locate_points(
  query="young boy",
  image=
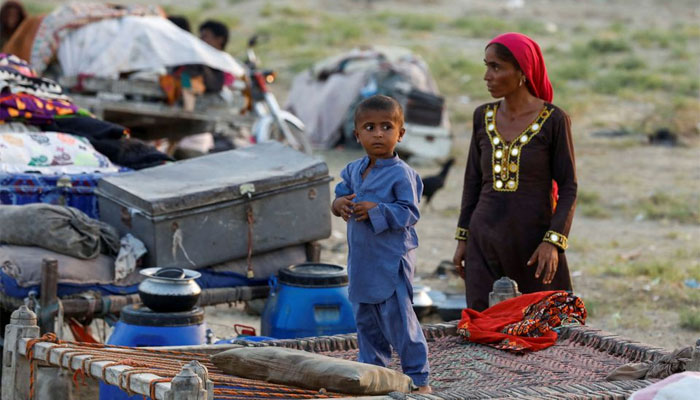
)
(378, 198)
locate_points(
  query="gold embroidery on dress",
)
(505, 157)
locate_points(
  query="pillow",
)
(311, 371)
(50, 153)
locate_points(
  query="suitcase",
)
(74, 190)
(210, 209)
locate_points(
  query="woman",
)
(11, 16)
(511, 223)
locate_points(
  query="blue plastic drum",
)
(138, 326)
(309, 299)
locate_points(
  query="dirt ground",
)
(642, 320)
(635, 243)
(614, 241)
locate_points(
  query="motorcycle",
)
(271, 122)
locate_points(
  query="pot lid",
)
(140, 315)
(314, 275)
(170, 274)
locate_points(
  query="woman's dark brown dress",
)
(507, 202)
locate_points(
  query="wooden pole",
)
(313, 252)
(203, 375)
(49, 291)
(208, 297)
(15, 366)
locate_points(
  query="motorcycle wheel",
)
(304, 145)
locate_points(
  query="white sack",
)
(109, 47)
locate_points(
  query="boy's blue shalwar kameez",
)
(381, 264)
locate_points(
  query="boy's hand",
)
(343, 206)
(361, 210)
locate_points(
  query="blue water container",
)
(309, 299)
(139, 326)
(248, 338)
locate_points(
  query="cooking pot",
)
(169, 289)
(422, 302)
(450, 308)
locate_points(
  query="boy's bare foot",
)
(424, 390)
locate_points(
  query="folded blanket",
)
(523, 323)
(33, 110)
(65, 230)
(23, 264)
(17, 76)
(50, 153)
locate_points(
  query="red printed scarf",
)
(523, 323)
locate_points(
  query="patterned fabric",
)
(50, 153)
(33, 110)
(17, 76)
(523, 323)
(16, 64)
(56, 25)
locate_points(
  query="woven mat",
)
(574, 368)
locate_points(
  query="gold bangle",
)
(462, 234)
(556, 239)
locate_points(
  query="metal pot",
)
(422, 303)
(451, 307)
(169, 289)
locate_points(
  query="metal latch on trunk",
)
(63, 184)
(247, 189)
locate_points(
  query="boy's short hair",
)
(181, 21)
(380, 102)
(217, 28)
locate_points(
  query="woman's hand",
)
(361, 210)
(459, 258)
(547, 258)
(342, 206)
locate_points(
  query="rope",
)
(250, 219)
(164, 363)
(177, 243)
(152, 386)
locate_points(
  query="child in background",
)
(378, 198)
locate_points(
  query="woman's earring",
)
(521, 81)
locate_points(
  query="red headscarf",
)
(528, 54)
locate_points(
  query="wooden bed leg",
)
(203, 375)
(186, 386)
(15, 367)
(49, 293)
(313, 252)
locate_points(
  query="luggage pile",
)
(324, 97)
(51, 151)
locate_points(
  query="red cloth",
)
(531, 61)
(523, 323)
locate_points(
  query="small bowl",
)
(451, 308)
